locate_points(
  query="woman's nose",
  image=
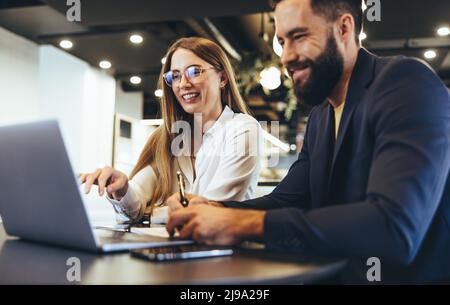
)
(184, 81)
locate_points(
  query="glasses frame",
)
(185, 73)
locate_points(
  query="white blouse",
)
(227, 167)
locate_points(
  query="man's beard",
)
(325, 73)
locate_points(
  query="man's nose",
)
(288, 55)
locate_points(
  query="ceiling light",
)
(163, 60)
(136, 39)
(104, 64)
(277, 48)
(280, 106)
(443, 31)
(270, 78)
(158, 93)
(135, 80)
(66, 44)
(362, 36)
(430, 54)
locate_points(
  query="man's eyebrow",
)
(297, 30)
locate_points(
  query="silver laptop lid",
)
(40, 199)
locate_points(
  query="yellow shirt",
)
(337, 117)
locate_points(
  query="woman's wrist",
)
(118, 195)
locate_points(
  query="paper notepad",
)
(153, 231)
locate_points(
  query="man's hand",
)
(174, 203)
(212, 225)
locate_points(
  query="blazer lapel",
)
(361, 77)
(322, 155)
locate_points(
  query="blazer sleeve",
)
(411, 159)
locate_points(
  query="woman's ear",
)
(223, 79)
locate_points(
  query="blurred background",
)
(98, 77)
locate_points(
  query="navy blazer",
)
(379, 190)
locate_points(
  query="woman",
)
(222, 162)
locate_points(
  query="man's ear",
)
(346, 28)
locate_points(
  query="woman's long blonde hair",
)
(156, 152)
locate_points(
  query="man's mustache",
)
(299, 65)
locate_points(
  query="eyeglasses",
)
(191, 72)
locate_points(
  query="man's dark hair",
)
(333, 9)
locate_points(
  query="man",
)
(370, 180)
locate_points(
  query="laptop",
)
(40, 197)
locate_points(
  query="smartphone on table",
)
(162, 254)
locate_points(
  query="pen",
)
(183, 199)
